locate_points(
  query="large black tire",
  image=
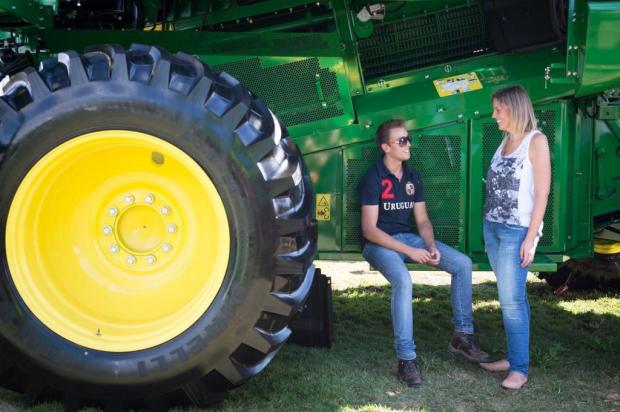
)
(259, 175)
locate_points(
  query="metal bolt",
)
(477, 112)
(107, 230)
(172, 228)
(165, 210)
(114, 248)
(166, 247)
(129, 199)
(151, 259)
(131, 260)
(113, 211)
(149, 198)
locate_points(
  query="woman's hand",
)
(528, 250)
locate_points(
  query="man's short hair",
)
(383, 131)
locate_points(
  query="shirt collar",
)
(384, 171)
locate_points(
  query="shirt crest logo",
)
(410, 188)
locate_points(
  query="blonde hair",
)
(516, 99)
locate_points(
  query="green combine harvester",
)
(169, 169)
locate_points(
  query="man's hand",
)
(419, 255)
(435, 255)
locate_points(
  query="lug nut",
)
(131, 260)
(172, 228)
(149, 198)
(114, 248)
(107, 230)
(151, 259)
(166, 247)
(113, 211)
(129, 199)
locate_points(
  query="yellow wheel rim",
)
(606, 247)
(117, 241)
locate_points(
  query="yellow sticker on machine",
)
(462, 83)
(323, 206)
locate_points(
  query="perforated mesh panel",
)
(293, 90)
(438, 159)
(425, 40)
(354, 171)
(491, 139)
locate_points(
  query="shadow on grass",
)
(575, 361)
(581, 327)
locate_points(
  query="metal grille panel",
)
(438, 159)
(298, 92)
(425, 40)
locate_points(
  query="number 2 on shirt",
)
(387, 185)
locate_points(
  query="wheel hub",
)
(139, 230)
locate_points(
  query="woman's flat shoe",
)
(501, 365)
(514, 381)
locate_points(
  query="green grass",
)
(575, 359)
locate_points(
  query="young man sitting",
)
(389, 192)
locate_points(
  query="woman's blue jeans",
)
(503, 244)
(391, 264)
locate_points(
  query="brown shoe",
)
(409, 372)
(501, 365)
(466, 346)
(514, 381)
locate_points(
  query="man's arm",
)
(425, 230)
(370, 231)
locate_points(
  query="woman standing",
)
(517, 188)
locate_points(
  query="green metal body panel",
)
(332, 78)
(39, 13)
(601, 59)
(326, 175)
(606, 166)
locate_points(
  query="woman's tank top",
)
(510, 186)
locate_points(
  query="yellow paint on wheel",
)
(117, 241)
(606, 247)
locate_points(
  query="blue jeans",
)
(503, 243)
(391, 264)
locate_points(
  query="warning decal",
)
(462, 83)
(323, 206)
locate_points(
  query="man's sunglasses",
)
(402, 141)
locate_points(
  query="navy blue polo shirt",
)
(395, 198)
